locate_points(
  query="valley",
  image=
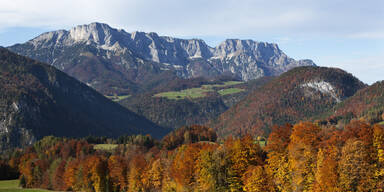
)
(95, 108)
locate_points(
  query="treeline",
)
(302, 157)
(305, 157)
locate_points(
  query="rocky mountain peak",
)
(231, 47)
(50, 39)
(99, 33)
(247, 59)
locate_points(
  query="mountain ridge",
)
(97, 48)
(38, 100)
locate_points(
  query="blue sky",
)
(335, 33)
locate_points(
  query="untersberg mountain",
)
(38, 100)
(117, 62)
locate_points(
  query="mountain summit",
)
(104, 57)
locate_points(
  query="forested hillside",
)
(296, 95)
(367, 103)
(37, 100)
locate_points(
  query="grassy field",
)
(226, 84)
(105, 147)
(230, 91)
(117, 98)
(186, 93)
(201, 91)
(13, 186)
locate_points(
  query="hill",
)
(296, 95)
(367, 103)
(195, 102)
(114, 61)
(38, 100)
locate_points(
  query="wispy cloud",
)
(201, 17)
(368, 35)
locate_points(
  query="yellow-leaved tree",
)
(255, 179)
(302, 153)
(242, 153)
(378, 143)
(277, 163)
(356, 172)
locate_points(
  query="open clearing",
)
(201, 91)
(225, 84)
(186, 93)
(13, 186)
(105, 147)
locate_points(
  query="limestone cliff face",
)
(122, 53)
(13, 132)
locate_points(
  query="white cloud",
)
(202, 17)
(293, 24)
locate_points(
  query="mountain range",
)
(114, 61)
(42, 99)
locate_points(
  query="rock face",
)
(37, 100)
(91, 52)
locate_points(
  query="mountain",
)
(114, 61)
(367, 103)
(296, 95)
(38, 100)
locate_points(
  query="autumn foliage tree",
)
(302, 157)
(255, 179)
(277, 162)
(302, 152)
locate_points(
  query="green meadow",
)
(13, 186)
(201, 91)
